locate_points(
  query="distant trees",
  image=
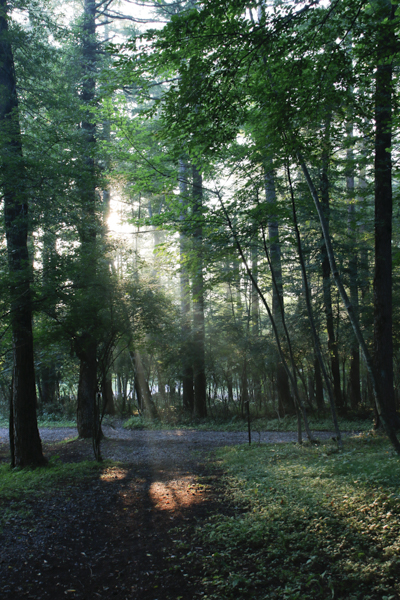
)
(286, 79)
(239, 130)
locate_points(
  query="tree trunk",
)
(87, 387)
(354, 375)
(326, 275)
(142, 386)
(108, 396)
(161, 385)
(187, 365)
(229, 385)
(200, 385)
(285, 400)
(255, 314)
(383, 342)
(27, 447)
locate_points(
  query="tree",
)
(199, 373)
(26, 448)
(187, 365)
(383, 336)
(285, 399)
(215, 49)
(86, 343)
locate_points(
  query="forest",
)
(199, 213)
(199, 272)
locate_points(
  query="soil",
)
(121, 534)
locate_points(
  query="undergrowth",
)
(237, 424)
(309, 523)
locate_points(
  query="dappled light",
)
(113, 473)
(175, 495)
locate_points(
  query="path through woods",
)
(121, 534)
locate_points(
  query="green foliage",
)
(175, 420)
(308, 523)
(54, 420)
(317, 423)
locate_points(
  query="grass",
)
(308, 523)
(54, 421)
(302, 522)
(172, 420)
(237, 424)
(20, 489)
(15, 484)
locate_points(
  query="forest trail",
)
(170, 446)
(120, 533)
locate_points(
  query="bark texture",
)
(88, 227)
(383, 342)
(87, 387)
(25, 439)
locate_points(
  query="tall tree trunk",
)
(326, 274)
(285, 399)
(48, 383)
(354, 375)
(187, 365)
(229, 384)
(48, 374)
(161, 384)
(255, 314)
(200, 386)
(88, 228)
(383, 342)
(27, 447)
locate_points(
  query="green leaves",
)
(306, 527)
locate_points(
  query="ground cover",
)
(47, 421)
(261, 522)
(174, 420)
(236, 423)
(311, 523)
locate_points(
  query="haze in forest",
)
(199, 214)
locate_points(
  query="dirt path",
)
(174, 447)
(122, 534)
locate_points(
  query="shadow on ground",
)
(119, 535)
